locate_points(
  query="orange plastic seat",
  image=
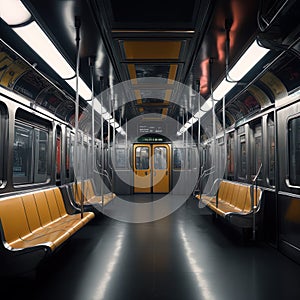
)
(35, 224)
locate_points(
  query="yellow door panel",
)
(161, 168)
(142, 171)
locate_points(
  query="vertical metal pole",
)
(214, 158)
(93, 119)
(102, 147)
(186, 135)
(126, 135)
(109, 127)
(192, 127)
(225, 138)
(199, 142)
(126, 144)
(114, 138)
(77, 27)
(186, 145)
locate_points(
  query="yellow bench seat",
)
(85, 189)
(233, 202)
(37, 220)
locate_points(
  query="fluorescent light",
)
(111, 120)
(223, 88)
(121, 131)
(192, 120)
(13, 12)
(207, 105)
(83, 89)
(106, 116)
(248, 60)
(35, 38)
(114, 124)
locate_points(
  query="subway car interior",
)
(150, 149)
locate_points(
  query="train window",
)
(242, 156)
(68, 149)
(182, 158)
(77, 162)
(70, 155)
(160, 158)
(294, 151)
(206, 156)
(120, 156)
(220, 151)
(22, 168)
(58, 153)
(178, 158)
(258, 149)
(187, 158)
(230, 154)
(271, 151)
(85, 160)
(30, 154)
(3, 138)
(142, 158)
(41, 150)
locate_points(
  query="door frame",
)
(150, 172)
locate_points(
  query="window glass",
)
(77, 163)
(182, 158)
(271, 151)
(230, 154)
(120, 158)
(243, 157)
(68, 149)
(84, 160)
(23, 150)
(294, 151)
(188, 158)
(41, 155)
(178, 158)
(58, 155)
(142, 158)
(70, 156)
(220, 152)
(160, 158)
(3, 149)
(206, 157)
(258, 149)
(30, 154)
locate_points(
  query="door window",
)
(142, 158)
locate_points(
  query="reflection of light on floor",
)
(104, 281)
(198, 272)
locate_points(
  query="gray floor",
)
(183, 256)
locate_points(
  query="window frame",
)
(268, 144)
(35, 125)
(3, 140)
(288, 182)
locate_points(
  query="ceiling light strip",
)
(15, 13)
(247, 61)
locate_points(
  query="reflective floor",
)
(186, 255)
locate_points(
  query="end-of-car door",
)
(161, 168)
(142, 168)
